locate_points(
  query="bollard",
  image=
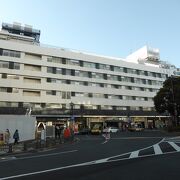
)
(10, 148)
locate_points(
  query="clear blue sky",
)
(105, 27)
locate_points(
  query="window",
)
(3, 89)
(73, 62)
(4, 64)
(9, 65)
(68, 72)
(11, 76)
(53, 105)
(113, 77)
(130, 71)
(115, 86)
(32, 80)
(77, 73)
(93, 75)
(83, 74)
(49, 70)
(66, 95)
(106, 107)
(126, 79)
(54, 59)
(97, 95)
(104, 66)
(11, 53)
(16, 66)
(149, 82)
(142, 73)
(32, 67)
(15, 90)
(128, 87)
(8, 104)
(99, 76)
(31, 93)
(147, 109)
(33, 56)
(58, 71)
(79, 94)
(53, 93)
(134, 108)
(118, 69)
(89, 65)
(121, 108)
(88, 106)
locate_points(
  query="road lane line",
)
(176, 147)
(100, 161)
(38, 156)
(104, 142)
(79, 165)
(46, 155)
(135, 137)
(157, 149)
(134, 154)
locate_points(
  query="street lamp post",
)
(72, 111)
(174, 103)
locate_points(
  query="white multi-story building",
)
(178, 72)
(57, 83)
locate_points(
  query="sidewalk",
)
(11, 148)
(32, 146)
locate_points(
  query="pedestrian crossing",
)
(166, 146)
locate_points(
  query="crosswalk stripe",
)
(134, 154)
(176, 147)
(157, 149)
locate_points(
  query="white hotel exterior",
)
(48, 80)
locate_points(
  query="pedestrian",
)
(56, 132)
(107, 133)
(7, 136)
(72, 134)
(67, 134)
(16, 137)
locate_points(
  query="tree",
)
(168, 98)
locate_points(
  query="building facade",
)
(57, 84)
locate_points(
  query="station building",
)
(58, 85)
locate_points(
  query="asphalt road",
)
(141, 155)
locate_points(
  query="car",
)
(111, 130)
(136, 129)
(84, 131)
(96, 129)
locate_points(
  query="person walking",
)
(16, 137)
(106, 134)
(7, 136)
(67, 134)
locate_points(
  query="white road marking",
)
(38, 156)
(104, 142)
(134, 154)
(172, 138)
(176, 147)
(78, 165)
(157, 149)
(46, 155)
(100, 161)
(7, 158)
(129, 138)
